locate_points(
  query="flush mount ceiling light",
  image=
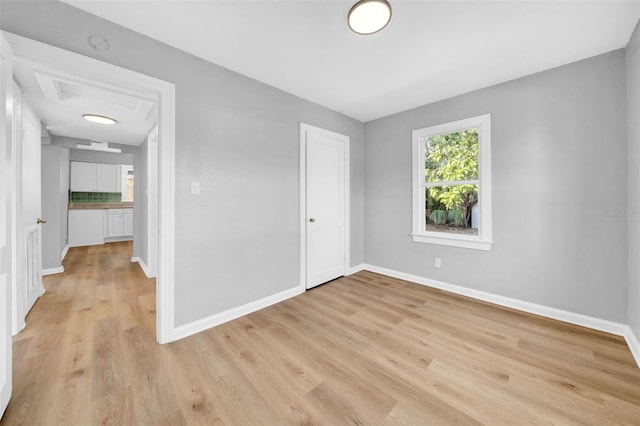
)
(100, 119)
(369, 16)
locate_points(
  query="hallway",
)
(85, 340)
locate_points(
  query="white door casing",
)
(31, 275)
(324, 205)
(151, 192)
(114, 77)
(17, 236)
(6, 210)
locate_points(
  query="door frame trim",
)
(17, 239)
(304, 128)
(6, 223)
(163, 92)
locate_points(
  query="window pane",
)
(452, 209)
(451, 156)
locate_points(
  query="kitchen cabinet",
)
(88, 226)
(119, 222)
(128, 221)
(83, 177)
(85, 227)
(94, 177)
(107, 178)
(115, 224)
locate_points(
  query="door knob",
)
(312, 219)
(39, 221)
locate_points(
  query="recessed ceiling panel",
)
(60, 99)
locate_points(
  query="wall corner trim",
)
(231, 314)
(65, 250)
(533, 308)
(51, 271)
(143, 266)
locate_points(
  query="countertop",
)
(98, 205)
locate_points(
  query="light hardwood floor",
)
(366, 349)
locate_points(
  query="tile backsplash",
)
(94, 197)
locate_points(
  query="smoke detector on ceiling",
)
(99, 43)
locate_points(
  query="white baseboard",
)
(65, 250)
(545, 311)
(533, 308)
(118, 239)
(51, 271)
(634, 344)
(217, 319)
(144, 267)
(355, 269)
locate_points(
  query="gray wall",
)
(50, 206)
(633, 213)
(238, 240)
(54, 199)
(559, 165)
(101, 157)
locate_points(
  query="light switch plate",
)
(195, 187)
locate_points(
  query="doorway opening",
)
(161, 167)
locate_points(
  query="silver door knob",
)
(312, 219)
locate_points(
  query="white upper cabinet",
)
(94, 177)
(83, 176)
(107, 178)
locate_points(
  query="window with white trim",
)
(452, 184)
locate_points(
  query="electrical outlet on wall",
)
(438, 262)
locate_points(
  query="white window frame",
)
(482, 241)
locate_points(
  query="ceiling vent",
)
(99, 146)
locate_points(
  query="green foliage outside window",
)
(452, 157)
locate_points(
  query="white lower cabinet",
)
(85, 227)
(89, 227)
(115, 224)
(119, 222)
(128, 221)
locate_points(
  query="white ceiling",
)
(431, 50)
(60, 98)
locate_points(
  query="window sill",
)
(454, 241)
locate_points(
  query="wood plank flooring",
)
(366, 349)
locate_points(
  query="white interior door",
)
(6, 171)
(325, 207)
(31, 208)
